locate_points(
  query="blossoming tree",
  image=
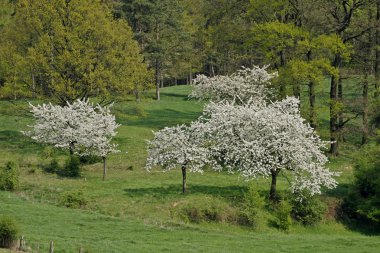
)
(263, 140)
(179, 146)
(80, 127)
(246, 84)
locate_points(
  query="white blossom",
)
(180, 145)
(246, 84)
(258, 139)
(80, 127)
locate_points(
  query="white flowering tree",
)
(179, 146)
(80, 127)
(263, 140)
(246, 84)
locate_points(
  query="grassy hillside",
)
(136, 211)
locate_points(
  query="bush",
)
(74, 199)
(364, 196)
(72, 167)
(52, 167)
(282, 212)
(9, 177)
(8, 232)
(207, 210)
(251, 207)
(309, 210)
(90, 159)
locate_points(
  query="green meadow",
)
(138, 211)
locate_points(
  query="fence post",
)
(22, 243)
(51, 249)
(80, 249)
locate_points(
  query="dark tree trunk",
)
(365, 110)
(377, 51)
(340, 113)
(104, 168)
(312, 113)
(273, 187)
(71, 148)
(157, 79)
(282, 84)
(191, 76)
(333, 113)
(183, 178)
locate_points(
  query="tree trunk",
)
(333, 113)
(157, 79)
(377, 51)
(365, 110)
(183, 178)
(191, 76)
(104, 168)
(312, 113)
(273, 187)
(71, 148)
(282, 84)
(340, 113)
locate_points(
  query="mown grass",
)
(132, 211)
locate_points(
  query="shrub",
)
(282, 212)
(364, 196)
(52, 167)
(74, 199)
(9, 177)
(207, 210)
(8, 232)
(90, 159)
(309, 210)
(251, 207)
(72, 167)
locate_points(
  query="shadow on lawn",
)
(10, 139)
(232, 191)
(161, 118)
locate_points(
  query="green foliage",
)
(208, 209)
(9, 177)
(274, 39)
(308, 210)
(68, 50)
(72, 167)
(282, 213)
(364, 198)
(251, 208)
(8, 231)
(89, 159)
(52, 167)
(74, 199)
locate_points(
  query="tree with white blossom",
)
(179, 146)
(246, 84)
(260, 140)
(80, 127)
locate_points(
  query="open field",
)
(135, 211)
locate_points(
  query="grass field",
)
(134, 211)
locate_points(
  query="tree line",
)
(70, 49)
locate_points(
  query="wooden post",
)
(51, 249)
(38, 248)
(22, 243)
(104, 168)
(81, 250)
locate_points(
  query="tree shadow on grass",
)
(10, 139)
(176, 95)
(230, 192)
(161, 118)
